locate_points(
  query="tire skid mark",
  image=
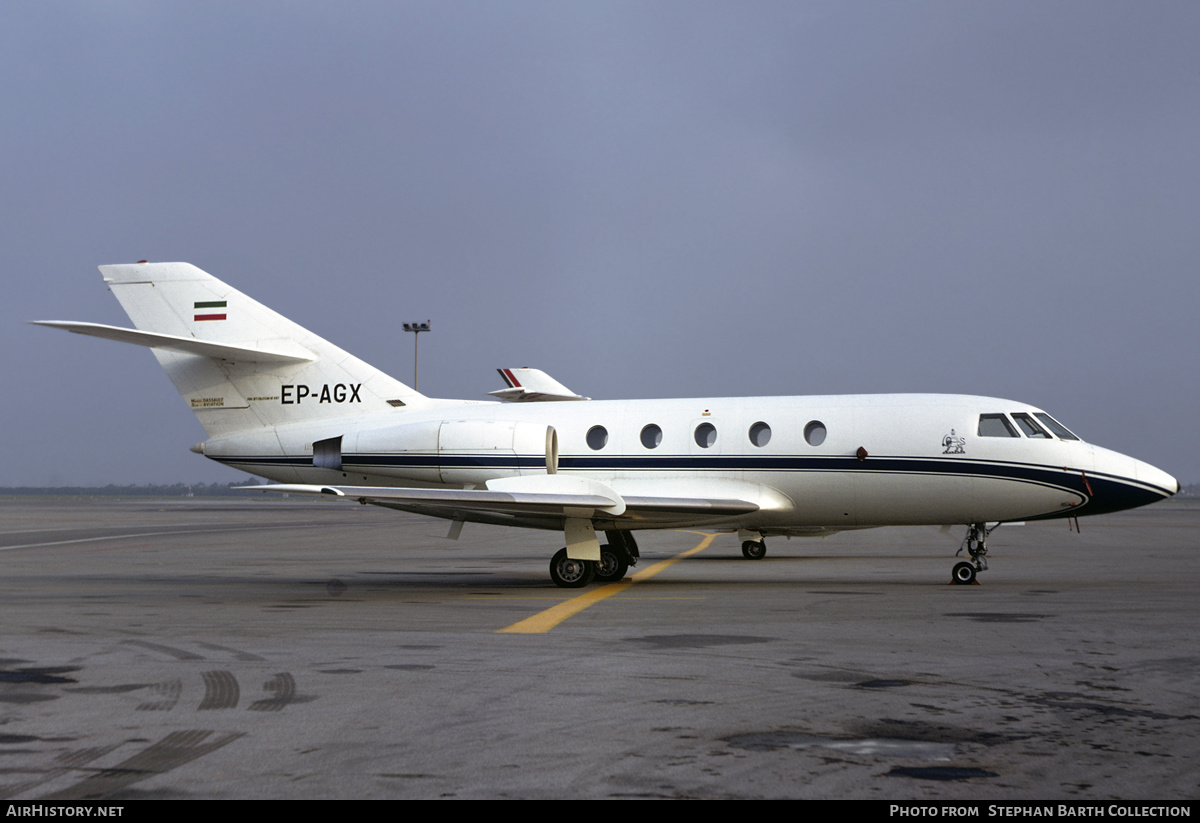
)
(65, 762)
(173, 751)
(178, 654)
(189, 530)
(283, 687)
(238, 654)
(169, 690)
(220, 691)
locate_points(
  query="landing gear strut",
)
(976, 545)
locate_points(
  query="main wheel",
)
(754, 550)
(963, 574)
(571, 574)
(611, 567)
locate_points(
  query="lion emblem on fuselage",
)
(953, 444)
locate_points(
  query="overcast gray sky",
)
(645, 199)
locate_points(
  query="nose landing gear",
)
(976, 545)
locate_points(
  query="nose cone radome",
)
(1121, 482)
(1159, 479)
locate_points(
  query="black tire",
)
(571, 574)
(754, 550)
(963, 574)
(612, 566)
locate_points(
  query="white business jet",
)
(278, 401)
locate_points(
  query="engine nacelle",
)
(446, 451)
(453, 452)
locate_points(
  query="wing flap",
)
(688, 505)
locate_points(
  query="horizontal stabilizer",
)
(188, 345)
(532, 385)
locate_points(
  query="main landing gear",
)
(754, 549)
(616, 556)
(611, 567)
(753, 545)
(976, 545)
(569, 573)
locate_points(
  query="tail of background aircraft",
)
(239, 365)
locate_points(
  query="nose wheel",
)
(975, 544)
(963, 574)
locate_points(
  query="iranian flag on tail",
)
(204, 309)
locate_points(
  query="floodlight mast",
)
(416, 329)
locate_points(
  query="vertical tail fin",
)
(238, 364)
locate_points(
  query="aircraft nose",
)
(1126, 483)
(1158, 478)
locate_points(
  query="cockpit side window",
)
(996, 425)
(1030, 426)
(1053, 425)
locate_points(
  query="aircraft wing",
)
(535, 501)
(469, 499)
(527, 385)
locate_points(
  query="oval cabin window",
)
(760, 434)
(706, 435)
(651, 436)
(597, 437)
(814, 433)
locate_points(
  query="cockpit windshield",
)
(1053, 425)
(1000, 425)
(996, 425)
(1029, 426)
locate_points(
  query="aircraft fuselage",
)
(811, 464)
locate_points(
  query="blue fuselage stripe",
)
(1101, 492)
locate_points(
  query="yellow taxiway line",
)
(546, 620)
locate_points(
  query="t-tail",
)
(238, 365)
